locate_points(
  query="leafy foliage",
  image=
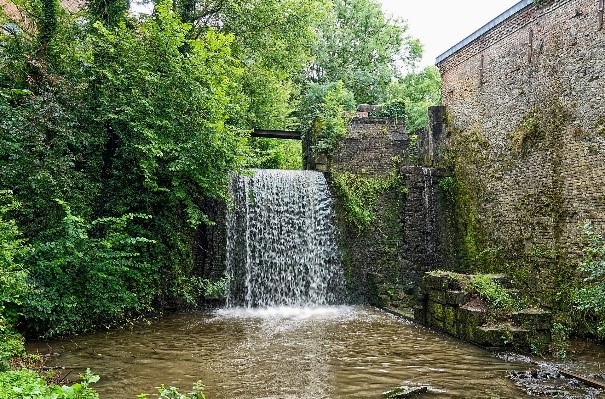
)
(87, 274)
(417, 91)
(173, 393)
(360, 195)
(27, 384)
(323, 114)
(13, 285)
(590, 297)
(496, 296)
(116, 121)
(359, 46)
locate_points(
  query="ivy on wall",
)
(360, 194)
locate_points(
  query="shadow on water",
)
(323, 352)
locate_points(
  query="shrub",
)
(590, 298)
(27, 384)
(87, 274)
(173, 393)
(13, 287)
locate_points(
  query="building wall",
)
(526, 140)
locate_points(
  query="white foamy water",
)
(290, 312)
(281, 241)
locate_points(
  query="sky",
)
(440, 24)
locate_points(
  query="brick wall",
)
(373, 146)
(526, 139)
(406, 237)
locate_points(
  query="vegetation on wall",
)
(589, 297)
(360, 194)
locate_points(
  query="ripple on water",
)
(287, 352)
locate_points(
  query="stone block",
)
(433, 322)
(437, 296)
(436, 282)
(457, 297)
(471, 316)
(436, 310)
(404, 392)
(533, 319)
(450, 320)
(420, 314)
(497, 336)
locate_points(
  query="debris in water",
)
(404, 392)
(548, 381)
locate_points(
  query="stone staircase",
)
(448, 303)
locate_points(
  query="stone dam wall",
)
(385, 261)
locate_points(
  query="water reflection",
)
(334, 352)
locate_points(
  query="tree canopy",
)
(116, 129)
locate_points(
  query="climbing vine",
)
(360, 194)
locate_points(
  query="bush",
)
(173, 393)
(27, 384)
(590, 298)
(322, 114)
(13, 287)
(87, 275)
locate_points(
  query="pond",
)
(296, 352)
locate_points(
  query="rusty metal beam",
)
(277, 134)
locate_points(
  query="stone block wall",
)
(446, 304)
(373, 146)
(407, 236)
(526, 140)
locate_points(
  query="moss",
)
(599, 126)
(359, 194)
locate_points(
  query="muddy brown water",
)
(334, 352)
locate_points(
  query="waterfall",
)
(281, 241)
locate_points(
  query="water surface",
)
(333, 352)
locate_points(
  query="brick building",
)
(525, 136)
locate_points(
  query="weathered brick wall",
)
(406, 237)
(373, 146)
(526, 139)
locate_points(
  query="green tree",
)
(361, 47)
(134, 118)
(418, 91)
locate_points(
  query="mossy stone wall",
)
(384, 262)
(525, 139)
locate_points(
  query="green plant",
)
(447, 185)
(87, 274)
(360, 194)
(27, 384)
(13, 285)
(394, 109)
(560, 340)
(496, 296)
(322, 114)
(193, 289)
(173, 393)
(589, 299)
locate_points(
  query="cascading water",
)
(281, 241)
